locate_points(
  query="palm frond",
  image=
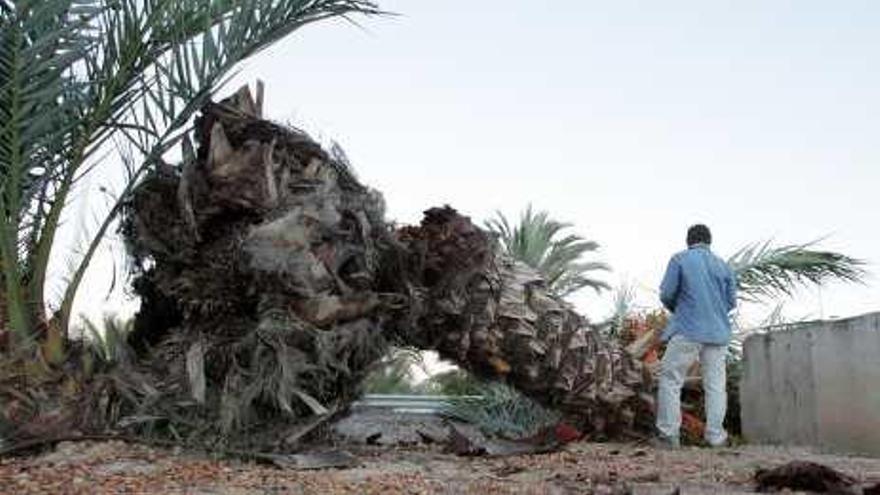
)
(40, 44)
(624, 298)
(538, 242)
(765, 272)
(109, 342)
(499, 409)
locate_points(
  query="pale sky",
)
(632, 120)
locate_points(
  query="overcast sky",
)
(632, 120)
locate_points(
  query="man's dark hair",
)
(699, 234)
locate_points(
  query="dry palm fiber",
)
(257, 261)
(807, 476)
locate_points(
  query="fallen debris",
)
(463, 444)
(335, 459)
(389, 429)
(803, 475)
(582, 468)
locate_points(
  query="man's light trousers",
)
(680, 354)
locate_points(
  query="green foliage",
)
(454, 382)
(502, 410)
(76, 75)
(109, 343)
(614, 325)
(494, 407)
(394, 374)
(765, 272)
(538, 241)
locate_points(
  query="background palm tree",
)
(77, 76)
(539, 241)
(765, 272)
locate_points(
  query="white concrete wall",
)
(817, 384)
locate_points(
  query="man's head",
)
(699, 234)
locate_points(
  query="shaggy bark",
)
(271, 282)
(258, 261)
(494, 316)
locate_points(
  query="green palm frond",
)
(764, 271)
(109, 342)
(623, 306)
(40, 45)
(498, 409)
(535, 241)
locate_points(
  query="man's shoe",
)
(718, 444)
(663, 442)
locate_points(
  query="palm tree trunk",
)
(495, 317)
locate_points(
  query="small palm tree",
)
(538, 241)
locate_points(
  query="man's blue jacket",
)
(700, 291)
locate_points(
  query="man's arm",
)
(670, 284)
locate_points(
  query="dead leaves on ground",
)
(117, 467)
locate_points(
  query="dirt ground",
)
(116, 467)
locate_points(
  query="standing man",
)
(700, 291)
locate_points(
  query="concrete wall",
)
(817, 384)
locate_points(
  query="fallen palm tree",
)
(270, 284)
